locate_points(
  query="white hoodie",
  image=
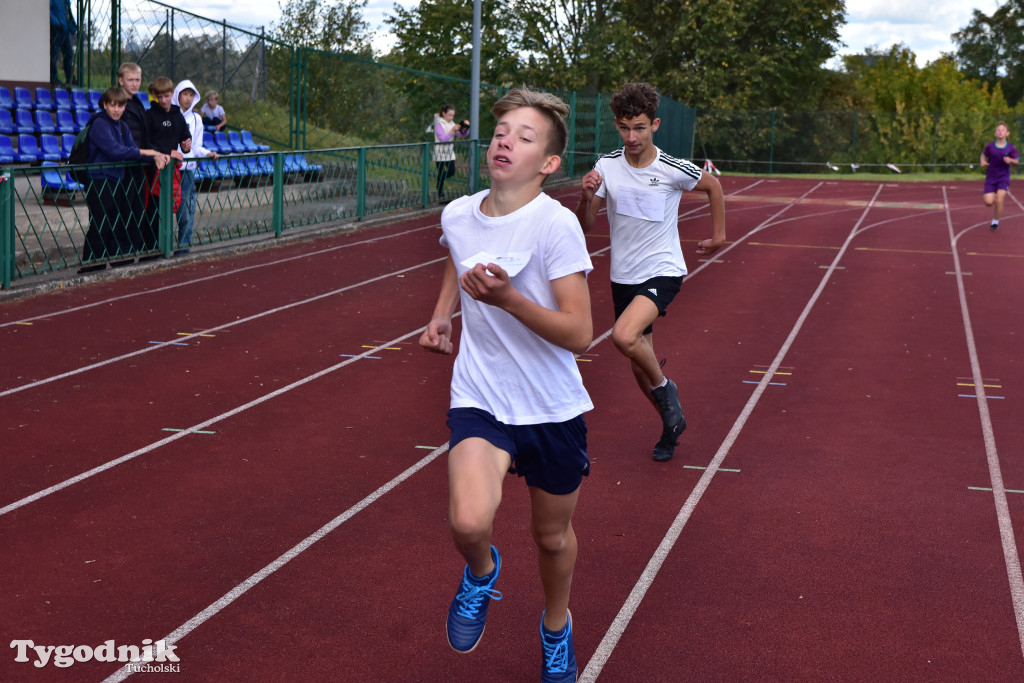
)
(195, 125)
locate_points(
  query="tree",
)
(991, 48)
(750, 54)
(332, 49)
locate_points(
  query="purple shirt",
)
(999, 170)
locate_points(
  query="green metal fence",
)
(780, 141)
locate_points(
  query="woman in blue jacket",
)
(110, 213)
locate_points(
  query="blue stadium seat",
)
(224, 169)
(144, 98)
(49, 147)
(6, 150)
(28, 150)
(79, 100)
(94, 100)
(211, 144)
(222, 142)
(62, 99)
(81, 119)
(23, 99)
(43, 100)
(251, 144)
(6, 123)
(23, 122)
(238, 167)
(5, 99)
(235, 140)
(44, 122)
(55, 182)
(66, 122)
(67, 141)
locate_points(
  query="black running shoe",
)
(666, 446)
(666, 398)
(995, 226)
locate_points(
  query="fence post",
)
(771, 145)
(6, 228)
(597, 127)
(853, 142)
(165, 211)
(278, 193)
(570, 167)
(935, 136)
(425, 184)
(361, 183)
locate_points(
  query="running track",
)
(244, 457)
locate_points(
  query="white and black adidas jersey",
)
(643, 212)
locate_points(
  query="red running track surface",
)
(245, 457)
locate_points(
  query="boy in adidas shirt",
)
(642, 186)
(517, 265)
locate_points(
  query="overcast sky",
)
(924, 25)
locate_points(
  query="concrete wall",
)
(25, 37)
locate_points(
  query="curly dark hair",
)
(635, 99)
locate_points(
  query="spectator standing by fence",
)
(185, 98)
(63, 31)
(446, 130)
(129, 77)
(111, 218)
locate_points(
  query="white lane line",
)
(1009, 542)
(194, 281)
(201, 426)
(154, 346)
(636, 596)
(239, 590)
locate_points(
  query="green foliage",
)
(756, 53)
(991, 48)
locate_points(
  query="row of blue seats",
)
(52, 179)
(48, 148)
(25, 121)
(232, 142)
(70, 100)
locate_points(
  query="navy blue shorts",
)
(660, 290)
(550, 456)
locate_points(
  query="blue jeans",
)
(187, 210)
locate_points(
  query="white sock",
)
(664, 382)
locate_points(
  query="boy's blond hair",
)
(549, 106)
(128, 67)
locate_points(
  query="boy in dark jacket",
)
(166, 130)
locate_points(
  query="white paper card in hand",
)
(512, 262)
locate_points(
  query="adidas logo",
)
(653, 291)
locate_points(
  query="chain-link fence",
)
(779, 141)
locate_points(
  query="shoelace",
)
(556, 655)
(470, 597)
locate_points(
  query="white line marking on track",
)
(236, 592)
(198, 427)
(180, 342)
(636, 596)
(1009, 542)
(194, 281)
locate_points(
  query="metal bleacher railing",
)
(44, 217)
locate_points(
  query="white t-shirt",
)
(502, 366)
(643, 212)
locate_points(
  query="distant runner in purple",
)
(998, 156)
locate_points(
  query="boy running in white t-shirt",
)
(642, 186)
(518, 266)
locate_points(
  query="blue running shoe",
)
(559, 663)
(467, 615)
